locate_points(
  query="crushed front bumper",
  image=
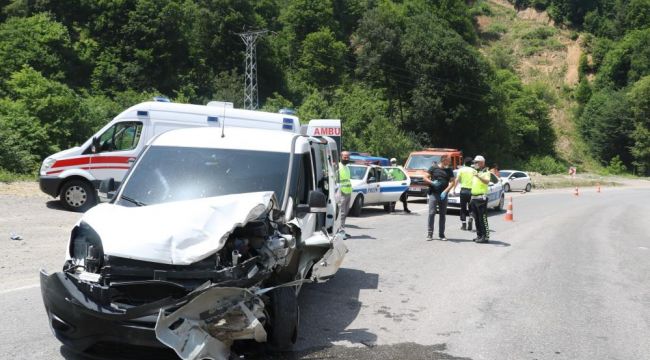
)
(79, 322)
(203, 323)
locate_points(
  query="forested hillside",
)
(400, 74)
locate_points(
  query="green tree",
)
(22, 138)
(321, 59)
(37, 41)
(639, 100)
(55, 105)
(606, 125)
(627, 62)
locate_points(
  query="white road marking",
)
(643, 248)
(26, 287)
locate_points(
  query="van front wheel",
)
(77, 195)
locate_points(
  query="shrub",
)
(616, 166)
(543, 32)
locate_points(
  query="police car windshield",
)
(357, 172)
(421, 162)
(166, 174)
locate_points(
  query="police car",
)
(376, 185)
(496, 197)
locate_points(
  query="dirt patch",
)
(23, 189)
(483, 22)
(572, 61)
(534, 15)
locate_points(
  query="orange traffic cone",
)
(509, 216)
(597, 187)
(576, 193)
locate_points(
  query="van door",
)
(373, 179)
(118, 148)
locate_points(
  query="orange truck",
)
(420, 161)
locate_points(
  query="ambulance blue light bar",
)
(287, 124)
(143, 113)
(213, 120)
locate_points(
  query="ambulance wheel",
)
(355, 210)
(77, 195)
(285, 316)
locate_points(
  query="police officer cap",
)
(479, 158)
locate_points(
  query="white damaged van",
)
(206, 242)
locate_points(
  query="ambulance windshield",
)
(166, 174)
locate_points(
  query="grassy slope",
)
(544, 56)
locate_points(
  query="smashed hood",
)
(178, 233)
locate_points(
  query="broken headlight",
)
(86, 249)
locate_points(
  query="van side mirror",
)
(107, 186)
(94, 147)
(372, 179)
(316, 203)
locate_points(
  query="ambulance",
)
(74, 174)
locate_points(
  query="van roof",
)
(235, 138)
(217, 112)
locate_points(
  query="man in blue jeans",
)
(441, 180)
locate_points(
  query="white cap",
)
(393, 160)
(479, 158)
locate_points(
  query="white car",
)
(207, 241)
(496, 197)
(515, 180)
(374, 185)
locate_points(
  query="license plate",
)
(414, 189)
(454, 200)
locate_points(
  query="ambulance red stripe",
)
(92, 160)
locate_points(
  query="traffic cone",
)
(597, 187)
(576, 193)
(509, 216)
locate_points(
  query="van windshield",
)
(421, 162)
(166, 174)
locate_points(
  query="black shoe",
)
(429, 237)
(469, 225)
(442, 237)
(482, 240)
(407, 211)
(463, 227)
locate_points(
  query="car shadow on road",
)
(55, 205)
(326, 311)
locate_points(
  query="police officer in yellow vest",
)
(346, 188)
(465, 178)
(478, 204)
(397, 174)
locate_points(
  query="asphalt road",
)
(568, 279)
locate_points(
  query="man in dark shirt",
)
(441, 180)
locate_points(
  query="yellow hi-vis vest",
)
(466, 177)
(478, 187)
(344, 178)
